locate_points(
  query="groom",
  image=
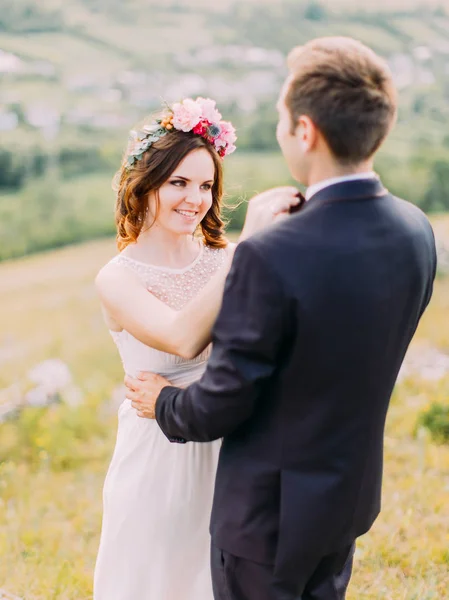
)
(317, 315)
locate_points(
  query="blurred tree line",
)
(256, 134)
(49, 200)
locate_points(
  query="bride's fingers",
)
(283, 205)
(281, 216)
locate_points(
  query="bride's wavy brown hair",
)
(149, 174)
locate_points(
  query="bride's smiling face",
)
(186, 197)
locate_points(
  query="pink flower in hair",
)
(231, 148)
(186, 115)
(209, 111)
(226, 138)
(227, 132)
(199, 116)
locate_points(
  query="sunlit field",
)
(53, 460)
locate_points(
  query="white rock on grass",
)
(443, 255)
(39, 396)
(4, 595)
(52, 374)
(10, 402)
(426, 363)
(53, 383)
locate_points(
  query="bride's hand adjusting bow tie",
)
(269, 207)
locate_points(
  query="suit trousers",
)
(236, 578)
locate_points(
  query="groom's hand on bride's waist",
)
(144, 391)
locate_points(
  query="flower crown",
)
(199, 116)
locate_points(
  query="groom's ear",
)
(307, 132)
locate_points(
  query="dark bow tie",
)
(297, 207)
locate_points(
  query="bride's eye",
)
(206, 186)
(178, 182)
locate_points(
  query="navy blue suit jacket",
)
(317, 314)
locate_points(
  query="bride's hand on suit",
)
(268, 208)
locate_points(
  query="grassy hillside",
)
(53, 461)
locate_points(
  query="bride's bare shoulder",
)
(107, 275)
(113, 275)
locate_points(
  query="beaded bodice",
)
(174, 287)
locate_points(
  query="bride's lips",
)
(187, 214)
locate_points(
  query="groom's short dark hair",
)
(347, 91)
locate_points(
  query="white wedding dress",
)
(158, 495)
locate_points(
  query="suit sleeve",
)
(247, 338)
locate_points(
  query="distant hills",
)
(103, 63)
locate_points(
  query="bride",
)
(160, 296)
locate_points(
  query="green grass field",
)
(53, 461)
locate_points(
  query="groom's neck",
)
(328, 169)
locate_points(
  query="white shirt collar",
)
(317, 187)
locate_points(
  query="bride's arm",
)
(185, 333)
(188, 331)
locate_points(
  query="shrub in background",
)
(436, 421)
